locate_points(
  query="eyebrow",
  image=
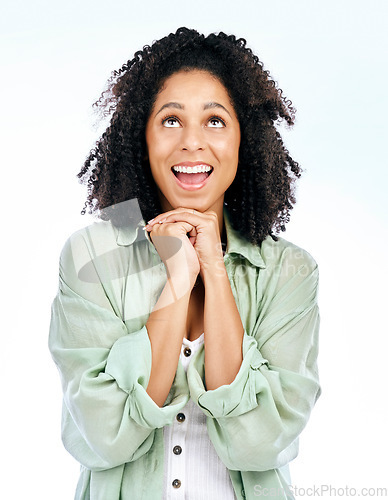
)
(208, 105)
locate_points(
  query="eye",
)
(170, 122)
(216, 122)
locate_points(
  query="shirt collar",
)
(127, 235)
(236, 244)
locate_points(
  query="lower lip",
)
(191, 187)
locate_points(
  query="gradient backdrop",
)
(330, 59)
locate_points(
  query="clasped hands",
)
(199, 233)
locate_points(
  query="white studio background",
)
(330, 60)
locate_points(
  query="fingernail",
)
(149, 222)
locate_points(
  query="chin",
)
(192, 204)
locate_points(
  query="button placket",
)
(177, 459)
(175, 448)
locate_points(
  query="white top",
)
(193, 470)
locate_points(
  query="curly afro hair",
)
(117, 169)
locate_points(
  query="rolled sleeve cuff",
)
(129, 363)
(232, 399)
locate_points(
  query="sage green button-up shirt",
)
(110, 280)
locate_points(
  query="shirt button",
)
(176, 483)
(187, 351)
(181, 417)
(177, 450)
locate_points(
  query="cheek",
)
(159, 146)
(228, 146)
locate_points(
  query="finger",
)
(192, 235)
(171, 229)
(188, 215)
(163, 215)
(176, 230)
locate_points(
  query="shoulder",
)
(85, 251)
(291, 274)
(92, 240)
(91, 265)
(283, 254)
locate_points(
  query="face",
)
(193, 138)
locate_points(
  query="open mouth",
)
(192, 175)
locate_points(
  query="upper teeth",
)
(192, 170)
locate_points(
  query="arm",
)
(109, 418)
(223, 329)
(167, 323)
(166, 327)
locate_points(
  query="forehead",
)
(193, 84)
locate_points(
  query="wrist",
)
(216, 272)
(181, 282)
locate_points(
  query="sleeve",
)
(108, 418)
(255, 421)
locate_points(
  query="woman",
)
(187, 351)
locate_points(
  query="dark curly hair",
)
(261, 196)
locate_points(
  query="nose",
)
(193, 138)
